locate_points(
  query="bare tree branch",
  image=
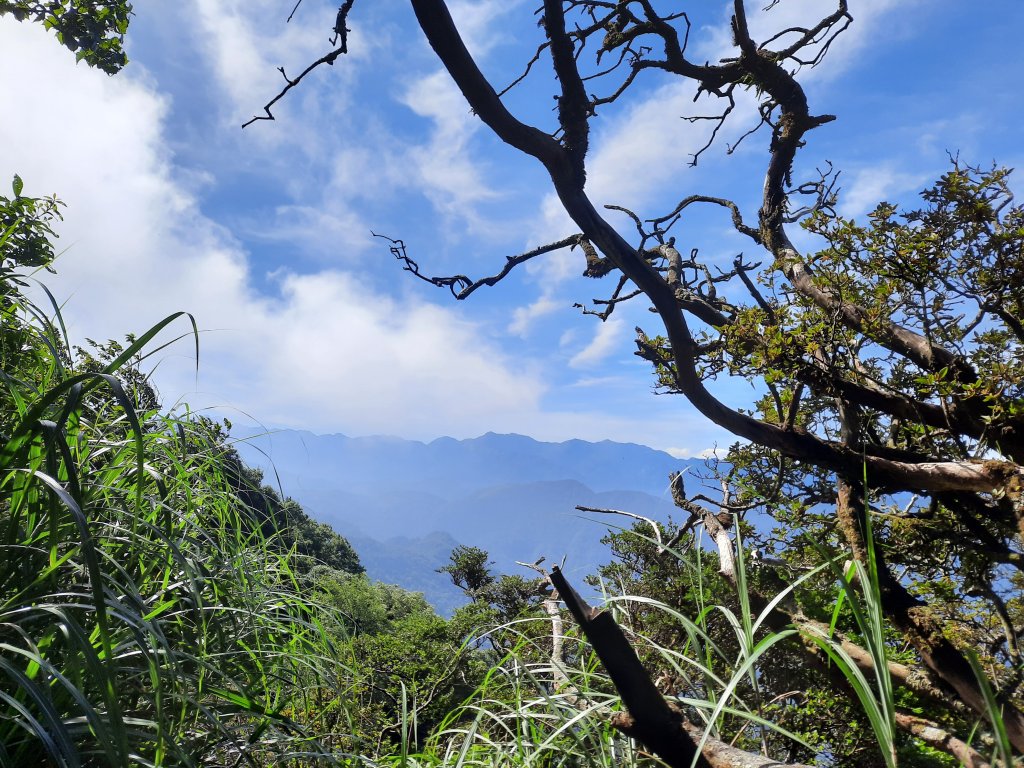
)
(460, 285)
(340, 40)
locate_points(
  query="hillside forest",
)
(841, 587)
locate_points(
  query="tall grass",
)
(525, 715)
(876, 697)
(721, 679)
(532, 711)
(520, 715)
(144, 617)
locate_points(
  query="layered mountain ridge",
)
(405, 505)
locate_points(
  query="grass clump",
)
(147, 616)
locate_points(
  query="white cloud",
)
(362, 360)
(607, 338)
(238, 63)
(444, 167)
(881, 182)
(524, 317)
(371, 169)
(600, 381)
(332, 231)
(329, 353)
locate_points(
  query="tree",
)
(93, 31)
(497, 602)
(888, 362)
(411, 668)
(509, 596)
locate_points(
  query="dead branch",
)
(339, 39)
(461, 286)
(651, 720)
(937, 737)
(654, 526)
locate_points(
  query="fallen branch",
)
(651, 720)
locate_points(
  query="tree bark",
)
(912, 618)
(651, 720)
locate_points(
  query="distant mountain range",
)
(405, 505)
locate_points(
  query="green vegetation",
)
(160, 605)
(93, 31)
(146, 616)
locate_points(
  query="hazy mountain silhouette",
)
(405, 505)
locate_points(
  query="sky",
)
(265, 234)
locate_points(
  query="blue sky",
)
(264, 234)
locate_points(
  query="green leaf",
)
(18, 185)
(993, 708)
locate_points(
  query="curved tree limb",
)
(444, 37)
(939, 738)
(460, 285)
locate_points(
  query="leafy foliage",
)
(410, 667)
(143, 617)
(93, 31)
(151, 607)
(26, 233)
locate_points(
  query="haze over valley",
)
(405, 504)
